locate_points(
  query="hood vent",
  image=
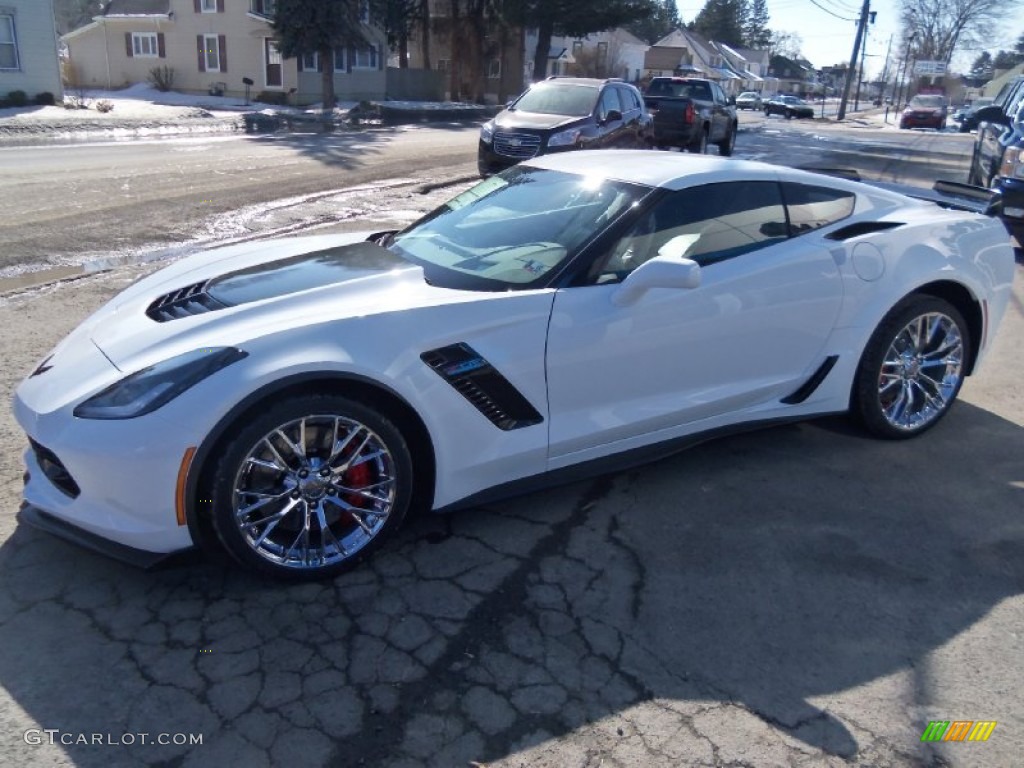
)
(184, 302)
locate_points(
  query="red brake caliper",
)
(356, 477)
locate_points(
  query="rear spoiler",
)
(947, 194)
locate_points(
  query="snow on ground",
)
(140, 101)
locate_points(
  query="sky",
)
(828, 29)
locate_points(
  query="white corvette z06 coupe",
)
(288, 401)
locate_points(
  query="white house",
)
(28, 48)
(214, 46)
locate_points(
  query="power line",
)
(830, 12)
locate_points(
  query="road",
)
(72, 202)
(63, 201)
(800, 596)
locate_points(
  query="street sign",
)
(929, 67)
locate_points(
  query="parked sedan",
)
(289, 401)
(925, 111)
(749, 100)
(788, 106)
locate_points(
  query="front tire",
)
(310, 486)
(912, 368)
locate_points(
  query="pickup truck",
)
(691, 113)
(998, 158)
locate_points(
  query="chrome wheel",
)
(314, 492)
(921, 371)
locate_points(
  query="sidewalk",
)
(141, 111)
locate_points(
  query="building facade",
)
(28, 49)
(214, 46)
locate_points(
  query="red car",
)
(925, 111)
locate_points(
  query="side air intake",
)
(483, 386)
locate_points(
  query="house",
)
(746, 64)
(454, 45)
(28, 48)
(612, 53)
(678, 53)
(214, 46)
(791, 76)
(683, 52)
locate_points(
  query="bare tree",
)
(592, 62)
(786, 44)
(939, 26)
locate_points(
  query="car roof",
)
(675, 170)
(591, 82)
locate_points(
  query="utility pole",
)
(863, 55)
(861, 25)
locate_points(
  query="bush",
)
(17, 99)
(45, 99)
(104, 106)
(272, 97)
(162, 78)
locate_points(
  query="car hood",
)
(511, 120)
(227, 296)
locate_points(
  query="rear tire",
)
(912, 368)
(700, 144)
(728, 144)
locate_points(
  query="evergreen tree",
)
(398, 18)
(982, 64)
(722, 21)
(755, 32)
(318, 26)
(661, 22)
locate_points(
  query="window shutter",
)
(298, 62)
(202, 51)
(220, 6)
(378, 51)
(350, 56)
(128, 44)
(161, 49)
(197, 5)
(222, 44)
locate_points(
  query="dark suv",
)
(998, 159)
(560, 114)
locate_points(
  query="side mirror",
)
(992, 114)
(666, 270)
(732, 101)
(611, 116)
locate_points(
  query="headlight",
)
(144, 391)
(487, 132)
(564, 138)
(1013, 164)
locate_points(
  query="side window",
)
(719, 95)
(721, 221)
(609, 101)
(626, 98)
(811, 208)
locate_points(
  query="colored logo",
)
(465, 367)
(958, 730)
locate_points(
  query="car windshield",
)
(928, 102)
(515, 229)
(558, 99)
(793, 100)
(748, 95)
